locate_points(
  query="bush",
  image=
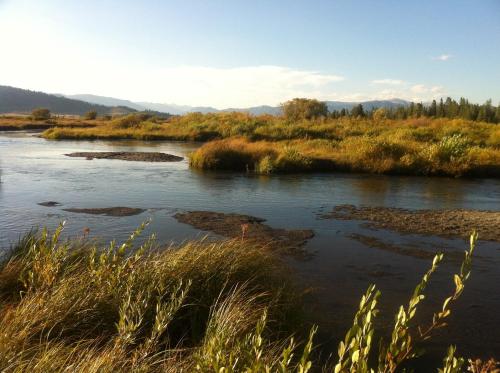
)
(40, 114)
(90, 115)
(291, 160)
(453, 147)
(265, 166)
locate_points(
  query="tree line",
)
(302, 108)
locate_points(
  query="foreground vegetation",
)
(208, 307)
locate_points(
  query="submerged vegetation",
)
(209, 307)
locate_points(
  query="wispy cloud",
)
(442, 57)
(388, 81)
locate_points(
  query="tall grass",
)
(266, 144)
(451, 156)
(73, 305)
(201, 306)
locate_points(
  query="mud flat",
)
(129, 156)
(108, 211)
(248, 228)
(446, 223)
(49, 204)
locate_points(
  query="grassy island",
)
(268, 144)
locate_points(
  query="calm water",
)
(35, 170)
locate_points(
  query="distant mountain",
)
(178, 109)
(108, 101)
(16, 100)
(367, 105)
(24, 101)
(256, 110)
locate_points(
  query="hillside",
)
(17, 100)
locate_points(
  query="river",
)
(35, 170)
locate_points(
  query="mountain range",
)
(255, 110)
(16, 100)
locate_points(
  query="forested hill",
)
(17, 100)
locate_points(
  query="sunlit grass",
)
(267, 144)
(202, 306)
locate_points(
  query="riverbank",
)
(24, 123)
(201, 306)
(266, 144)
(358, 155)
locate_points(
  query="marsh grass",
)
(124, 308)
(202, 306)
(267, 144)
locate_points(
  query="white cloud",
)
(418, 88)
(193, 85)
(422, 92)
(442, 57)
(388, 81)
(242, 86)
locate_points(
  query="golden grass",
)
(199, 307)
(72, 305)
(266, 144)
(354, 154)
(20, 122)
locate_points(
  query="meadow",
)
(268, 144)
(225, 306)
(18, 122)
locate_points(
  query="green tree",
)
(433, 109)
(440, 109)
(40, 114)
(304, 108)
(357, 111)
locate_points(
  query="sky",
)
(239, 53)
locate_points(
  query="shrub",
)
(453, 147)
(291, 160)
(265, 166)
(380, 114)
(40, 114)
(231, 154)
(90, 115)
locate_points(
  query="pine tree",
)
(433, 109)
(357, 111)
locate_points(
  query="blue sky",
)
(241, 53)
